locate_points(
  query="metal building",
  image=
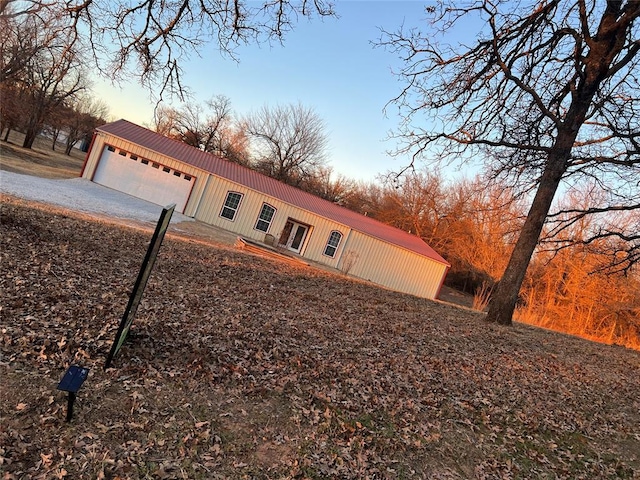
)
(137, 161)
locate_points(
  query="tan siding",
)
(380, 262)
(214, 197)
(318, 242)
(394, 267)
(94, 156)
(196, 193)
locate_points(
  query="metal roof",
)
(269, 186)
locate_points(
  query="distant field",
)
(41, 161)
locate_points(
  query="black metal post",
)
(70, 400)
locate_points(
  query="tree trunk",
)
(597, 64)
(56, 132)
(34, 127)
(505, 296)
(29, 138)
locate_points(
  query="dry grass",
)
(481, 297)
(241, 367)
(41, 161)
(628, 340)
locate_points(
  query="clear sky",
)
(327, 64)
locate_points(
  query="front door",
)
(293, 235)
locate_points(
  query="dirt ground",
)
(243, 367)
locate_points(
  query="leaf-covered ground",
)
(242, 367)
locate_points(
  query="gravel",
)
(84, 196)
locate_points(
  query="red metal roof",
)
(245, 176)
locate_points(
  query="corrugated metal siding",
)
(244, 222)
(213, 200)
(387, 256)
(394, 267)
(93, 157)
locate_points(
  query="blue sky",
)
(327, 64)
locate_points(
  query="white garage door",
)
(143, 178)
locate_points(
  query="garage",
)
(143, 178)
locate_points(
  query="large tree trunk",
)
(505, 296)
(29, 138)
(34, 127)
(504, 299)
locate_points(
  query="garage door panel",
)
(143, 180)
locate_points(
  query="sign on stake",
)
(71, 382)
(141, 282)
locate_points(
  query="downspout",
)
(344, 248)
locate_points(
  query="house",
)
(137, 161)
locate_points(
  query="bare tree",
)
(22, 37)
(52, 77)
(11, 107)
(84, 115)
(188, 125)
(414, 202)
(572, 288)
(151, 37)
(472, 224)
(364, 198)
(55, 123)
(479, 231)
(16, 44)
(289, 142)
(323, 185)
(165, 120)
(211, 129)
(40, 60)
(613, 232)
(549, 90)
(234, 144)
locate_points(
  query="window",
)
(265, 217)
(144, 161)
(176, 173)
(166, 169)
(231, 205)
(155, 165)
(332, 243)
(134, 157)
(123, 153)
(187, 177)
(110, 148)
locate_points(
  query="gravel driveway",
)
(84, 196)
